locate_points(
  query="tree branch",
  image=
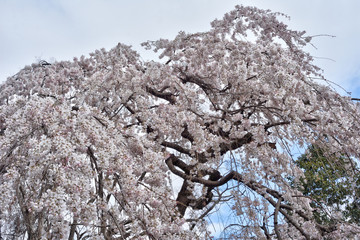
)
(233, 175)
(276, 227)
(269, 125)
(266, 232)
(168, 96)
(176, 147)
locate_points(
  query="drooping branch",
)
(276, 213)
(294, 223)
(264, 228)
(93, 160)
(269, 125)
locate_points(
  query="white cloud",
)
(62, 29)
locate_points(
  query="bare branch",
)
(276, 213)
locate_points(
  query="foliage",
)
(90, 148)
(329, 185)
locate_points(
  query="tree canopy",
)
(91, 148)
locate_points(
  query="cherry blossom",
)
(90, 148)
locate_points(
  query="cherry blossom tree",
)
(90, 148)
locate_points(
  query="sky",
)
(34, 30)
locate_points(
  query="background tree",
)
(90, 147)
(330, 187)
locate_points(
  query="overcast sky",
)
(33, 30)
